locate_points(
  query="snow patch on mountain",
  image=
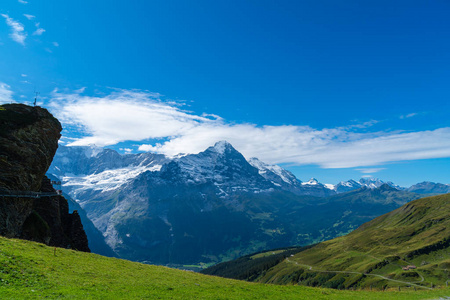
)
(329, 186)
(221, 146)
(264, 169)
(312, 181)
(106, 180)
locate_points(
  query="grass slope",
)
(418, 233)
(32, 270)
(249, 267)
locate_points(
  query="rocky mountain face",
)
(30, 208)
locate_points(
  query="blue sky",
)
(328, 89)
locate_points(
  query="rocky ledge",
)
(30, 208)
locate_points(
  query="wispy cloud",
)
(138, 115)
(370, 170)
(29, 17)
(122, 115)
(5, 93)
(23, 1)
(408, 115)
(39, 30)
(18, 30)
(56, 44)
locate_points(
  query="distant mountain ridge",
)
(371, 183)
(82, 166)
(427, 187)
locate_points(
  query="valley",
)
(407, 248)
(197, 210)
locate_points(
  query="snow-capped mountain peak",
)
(312, 181)
(371, 182)
(222, 146)
(368, 182)
(350, 183)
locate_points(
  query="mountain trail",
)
(366, 274)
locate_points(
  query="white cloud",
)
(39, 30)
(138, 116)
(23, 1)
(23, 75)
(370, 170)
(408, 115)
(126, 150)
(18, 30)
(29, 17)
(56, 44)
(122, 115)
(5, 93)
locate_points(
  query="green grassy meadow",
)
(31, 270)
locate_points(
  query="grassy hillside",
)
(418, 233)
(32, 270)
(249, 267)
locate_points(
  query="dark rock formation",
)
(28, 141)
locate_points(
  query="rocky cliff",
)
(30, 208)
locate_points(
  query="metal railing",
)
(28, 194)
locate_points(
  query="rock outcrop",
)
(30, 208)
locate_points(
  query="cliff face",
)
(28, 141)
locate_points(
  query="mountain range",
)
(212, 206)
(98, 168)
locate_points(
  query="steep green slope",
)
(249, 267)
(32, 270)
(418, 233)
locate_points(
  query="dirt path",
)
(360, 273)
